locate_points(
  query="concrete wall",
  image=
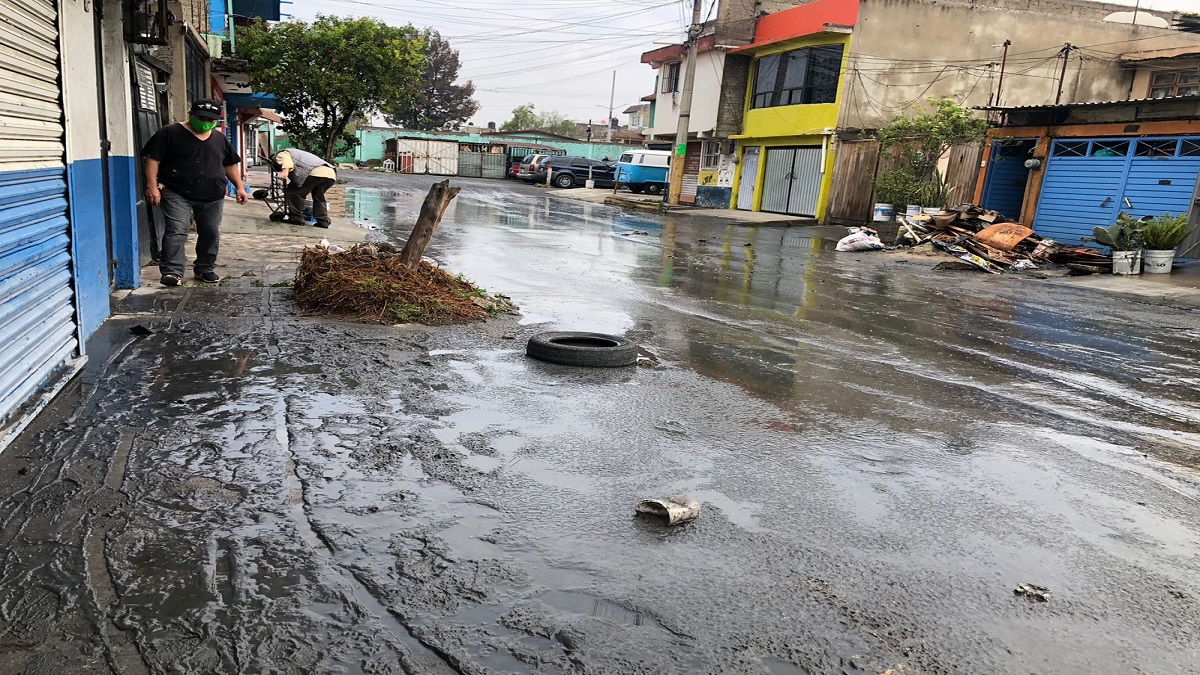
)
(372, 142)
(906, 51)
(706, 97)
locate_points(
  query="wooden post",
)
(432, 210)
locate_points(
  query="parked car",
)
(529, 166)
(514, 167)
(644, 170)
(568, 172)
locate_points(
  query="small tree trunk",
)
(432, 210)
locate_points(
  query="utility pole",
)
(612, 95)
(1066, 54)
(1003, 63)
(685, 107)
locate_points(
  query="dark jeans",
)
(178, 212)
(295, 195)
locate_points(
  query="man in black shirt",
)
(187, 166)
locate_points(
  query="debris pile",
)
(993, 243)
(369, 283)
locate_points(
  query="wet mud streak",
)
(415, 656)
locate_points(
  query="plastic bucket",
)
(912, 210)
(884, 213)
(1127, 263)
(931, 210)
(1158, 262)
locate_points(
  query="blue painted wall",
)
(89, 242)
(123, 198)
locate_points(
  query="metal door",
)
(792, 181)
(147, 119)
(691, 174)
(494, 165)
(1089, 181)
(749, 178)
(1004, 185)
(470, 164)
(443, 158)
(37, 313)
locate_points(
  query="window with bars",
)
(1070, 149)
(710, 155)
(670, 78)
(808, 75)
(1156, 148)
(1110, 148)
(1175, 83)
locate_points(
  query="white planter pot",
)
(884, 213)
(912, 210)
(1127, 263)
(1158, 262)
(931, 210)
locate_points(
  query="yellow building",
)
(785, 152)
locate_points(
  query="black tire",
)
(653, 188)
(591, 350)
(277, 217)
(637, 189)
(564, 180)
(259, 194)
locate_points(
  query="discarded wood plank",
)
(432, 210)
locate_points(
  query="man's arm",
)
(153, 196)
(235, 176)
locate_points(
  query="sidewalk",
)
(655, 203)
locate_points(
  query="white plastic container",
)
(884, 213)
(912, 210)
(1158, 262)
(1127, 263)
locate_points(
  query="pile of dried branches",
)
(369, 283)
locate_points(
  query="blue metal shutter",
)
(1004, 187)
(37, 313)
(1159, 185)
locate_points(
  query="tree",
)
(553, 121)
(523, 118)
(440, 102)
(331, 71)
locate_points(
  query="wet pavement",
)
(883, 454)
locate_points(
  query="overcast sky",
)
(557, 54)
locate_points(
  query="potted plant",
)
(1123, 238)
(933, 195)
(893, 188)
(1159, 239)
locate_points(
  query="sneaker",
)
(208, 277)
(294, 220)
(320, 224)
(170, 280)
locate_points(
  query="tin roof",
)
(1089, 104)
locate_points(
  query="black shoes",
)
(208, 277)
(170, 280)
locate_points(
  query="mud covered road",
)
(883, 453)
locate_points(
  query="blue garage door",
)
(1004, 188)
(1089, 181)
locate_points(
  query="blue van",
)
(644, 170)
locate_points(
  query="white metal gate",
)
(792, 181)
(37, 313)
(749, 178)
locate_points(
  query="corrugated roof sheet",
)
(1091, 104)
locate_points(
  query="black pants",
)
(296, 193)
(178, 212)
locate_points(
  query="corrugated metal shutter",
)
(691, 174)
(37, 314)
(777, 181)
(749, 178)
(806, 182)
(443, 158)
(1088, 181)
(470, 164)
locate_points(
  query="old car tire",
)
(592, 350)
(564, 180)
(653, 188)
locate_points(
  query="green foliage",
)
(898, 187)
(441, 103)
(403, 312)
(1123, 235)
(1165, 232)
(933, 191)
(525, 117)
(925, 137)
(331, 71)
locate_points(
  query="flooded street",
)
(883, 453)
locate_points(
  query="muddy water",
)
(883, 453)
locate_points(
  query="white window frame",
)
(710, 155)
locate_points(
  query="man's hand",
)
(242, 197)
(153, 196)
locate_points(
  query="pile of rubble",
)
(993, 243)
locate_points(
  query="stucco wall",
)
(906, 51)
(706, 97)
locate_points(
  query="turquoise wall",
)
(371, 143)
